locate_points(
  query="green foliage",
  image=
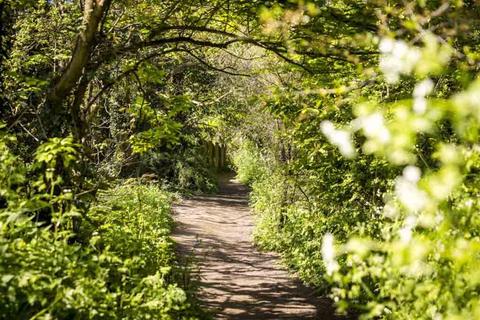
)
(194, 174)
(422, 264)
(248, 162)
(373, 194)
(119, 263)
(163, 128)
(357, 130)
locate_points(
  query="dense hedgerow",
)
(379, 205)
(119, 264)
(248, 162)
(328, 195)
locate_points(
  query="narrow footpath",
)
(238, 282)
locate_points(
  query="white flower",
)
(437, 316)
(341, 138)
(438, 218)
(390, 211)
(419, 105)
(422, 89)
(386, 45)
(407, 191)
(469, 203)
(397, 58)
(373, 126)
(469, 100)
(412, 173)
(328, 254)
(406, 232)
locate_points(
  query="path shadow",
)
(238, 281)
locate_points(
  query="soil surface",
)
(237, 281)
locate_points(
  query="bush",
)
(386, 216)
(119, 264)
(248, 163)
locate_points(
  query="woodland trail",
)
(237, 281)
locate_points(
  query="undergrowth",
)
(126, 268)
(115, 260)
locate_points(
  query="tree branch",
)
(214, 68)
(135, 67)
(93, 13)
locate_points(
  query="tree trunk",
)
(94, 12)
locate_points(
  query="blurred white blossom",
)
(407, 191)
(469, 203)
(405, 232)
(390, 210)
(397, 58)
(469, 100)
(412, 173)
(373, 126)
(341, 138)
(422, 89)
(420, 105)
(328, 254)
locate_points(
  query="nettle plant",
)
(112, 261)
(40, 191)
(425, 263)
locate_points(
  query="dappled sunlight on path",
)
(238, 281)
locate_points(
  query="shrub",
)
(248, 163)
(119, 264)
(387, 218)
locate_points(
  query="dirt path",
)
(238, 281)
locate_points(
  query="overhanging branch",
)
(202, 61)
